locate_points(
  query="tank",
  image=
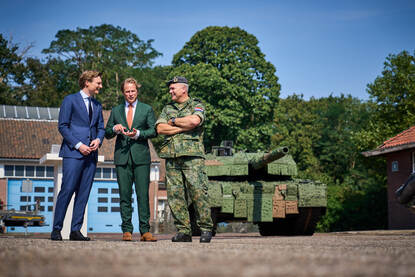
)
(261, 188)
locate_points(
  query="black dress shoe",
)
(180, 237)
(206, 236)
(77, 235)
(56, 235)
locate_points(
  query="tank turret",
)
(261, 188)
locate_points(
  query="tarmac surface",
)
(367, 253)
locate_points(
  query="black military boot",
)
(206, 236)
(180, 237)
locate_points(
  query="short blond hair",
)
(130, 81)
(88, 75)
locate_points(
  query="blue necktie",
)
(90, 109)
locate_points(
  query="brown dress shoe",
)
(148, 237)
(127, 236)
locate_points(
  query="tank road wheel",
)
(195, 229)
(267, 228)
(302, 225)
(306, 223)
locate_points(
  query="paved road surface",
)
(374, 253)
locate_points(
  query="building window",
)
(50, 208)
(19, 170)
(50, 189)
(102, 190)
(395, 166)
(42, 208)
(25, 198)
(102, 209)
(30, 171)
(49, 171)
(115, 200)
(115, 191)
(9, 170)
(39, 189)
(50, 199)
(102, 200)
(106, 173)
(115, 209)
(40, 171)
(39, 198)
(24, 208)
(98, 173)
(162, 185)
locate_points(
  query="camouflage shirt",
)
(188, 143)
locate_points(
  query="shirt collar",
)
(128, 104)
(84, 95)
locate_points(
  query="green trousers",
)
(187, 185)
(139, 175)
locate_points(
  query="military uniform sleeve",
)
(163, 118)
(199, 110)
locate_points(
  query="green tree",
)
(393, 97)
(11, 71)
(48, 83)
(114, 51)
(227, 70)
(298, 126)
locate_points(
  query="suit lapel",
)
(82, 106)
(121, 111)
(137, 111)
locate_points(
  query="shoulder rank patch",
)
(199, 109)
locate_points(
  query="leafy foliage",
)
(227, 70)
(11, 72)
(114, 51)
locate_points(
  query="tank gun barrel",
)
(269, 157)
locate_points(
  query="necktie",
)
(130, 116)
(90, 109)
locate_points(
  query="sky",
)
(319, 48)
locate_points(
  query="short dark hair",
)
(88, 75)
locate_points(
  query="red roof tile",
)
(31, 139)
(406, 137)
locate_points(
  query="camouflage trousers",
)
(187, 185)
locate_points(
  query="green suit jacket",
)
(144, 121)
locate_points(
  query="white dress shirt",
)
(86, 102)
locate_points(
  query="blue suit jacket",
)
(74, 125)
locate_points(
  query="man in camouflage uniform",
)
(182, 123)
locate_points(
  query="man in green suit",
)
(133, 123)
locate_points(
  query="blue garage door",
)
(42, 190)
(104, 208)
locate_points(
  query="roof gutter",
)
(383, 151)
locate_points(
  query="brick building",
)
(27, 134)
(399, 152)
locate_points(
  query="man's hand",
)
(130, 134)
(118, 128)
(85, 150)
(94, 145)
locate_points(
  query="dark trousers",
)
(139, 175)
(77, 177)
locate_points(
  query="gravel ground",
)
(371, 253)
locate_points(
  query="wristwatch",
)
(173, 120)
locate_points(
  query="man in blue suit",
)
(82, 127)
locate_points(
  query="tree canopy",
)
(228, 71)
(114, 51)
